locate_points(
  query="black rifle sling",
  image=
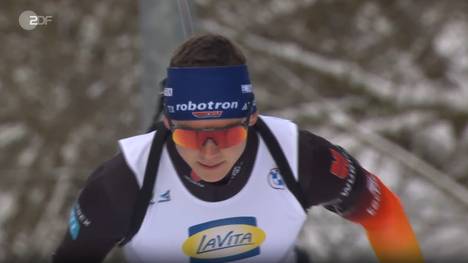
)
(280, 159)
(145, 194)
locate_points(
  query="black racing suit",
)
(105, 205)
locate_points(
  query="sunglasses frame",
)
(245, 124)
(173, 127)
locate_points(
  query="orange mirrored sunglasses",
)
(224, 137)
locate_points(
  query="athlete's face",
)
(209, 161)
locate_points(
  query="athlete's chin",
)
(212, 174)
(213, 179)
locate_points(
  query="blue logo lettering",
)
(74, 224)
(165, 197)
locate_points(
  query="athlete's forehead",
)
(200, 124)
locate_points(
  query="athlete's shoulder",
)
(286, 133)
(275, 119)
(314, 154)
(281, 128)
(105, 204)
(112, 182)
(326, 170)
(136, 143)
(115, 176)
(136, 151)
(313, 141)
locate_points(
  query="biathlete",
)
(215, 181)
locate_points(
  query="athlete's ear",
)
(166, 122)
(253, 118)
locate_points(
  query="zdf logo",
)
(28, 20)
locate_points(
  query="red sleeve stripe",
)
(386, 224)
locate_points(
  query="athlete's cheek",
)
(190, 156)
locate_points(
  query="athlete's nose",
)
(209, 149)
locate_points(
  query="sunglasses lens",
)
(223, 138)
(235, 135)
(185, 138)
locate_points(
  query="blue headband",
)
(194, 93)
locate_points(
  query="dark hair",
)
(202, 51)
(207, 50)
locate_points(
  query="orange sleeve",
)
(388, 229)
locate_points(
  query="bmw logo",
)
(275, 180)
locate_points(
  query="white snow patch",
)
(10, 133)
(452, 43)
(437, 140)
(6, 203)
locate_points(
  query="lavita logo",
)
(227, 240)
(224, 240)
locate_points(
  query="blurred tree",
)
(385, 79)
(68, 91)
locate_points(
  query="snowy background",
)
(387, 80)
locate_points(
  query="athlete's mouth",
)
(211, 166)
